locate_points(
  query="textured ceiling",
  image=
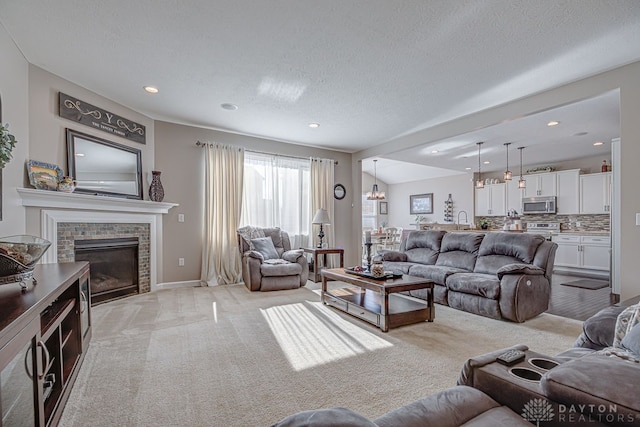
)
(368, 71)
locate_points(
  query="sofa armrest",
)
(254, 254)
(292, 255)
(523, 296)
(394, 256)
(519, 268)
(297, 256)
(328, 417)
(469, 367)
(598, 331)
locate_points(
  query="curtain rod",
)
(198, 143)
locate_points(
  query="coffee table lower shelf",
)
(365, 304)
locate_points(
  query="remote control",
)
(510, 357)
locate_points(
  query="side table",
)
(316, 252)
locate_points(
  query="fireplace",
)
(68, 217)
(114, 267)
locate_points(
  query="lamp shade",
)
(321, 217)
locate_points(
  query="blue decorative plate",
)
(44, 176)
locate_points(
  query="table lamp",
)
(321, 217)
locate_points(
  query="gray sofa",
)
(499, 275)
(591, 386)
(595, 383)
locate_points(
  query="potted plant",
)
(7, 142)
(484, 224)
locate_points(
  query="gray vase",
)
(156, 190)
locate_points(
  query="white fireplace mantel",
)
(88, 202)
(58, 207)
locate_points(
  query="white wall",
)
(182, 166)
(14, 89)
(48, 130)
(459, 186)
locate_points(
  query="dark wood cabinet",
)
(44, 335)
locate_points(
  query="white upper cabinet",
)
(595, 193)
(514, 196)
(568, 192)
(542, 184)
(491, 200)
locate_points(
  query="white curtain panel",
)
(224, 172)
(276, 194)
(322, 182)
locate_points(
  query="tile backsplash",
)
(567, 222)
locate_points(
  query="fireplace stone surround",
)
(83, 216)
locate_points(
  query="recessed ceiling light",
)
(597, 143)
(467, 168)
(486, 162)
(553, 123)
(79, 154)
(434, 151)
(151, 89)
(228, 106)
(314, 125)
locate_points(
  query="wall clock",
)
(339, 191)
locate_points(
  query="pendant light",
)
(522, 184)
(374, 194)
(479, 182)
(507, 173)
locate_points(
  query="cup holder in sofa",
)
(526, 374)
(541, 363)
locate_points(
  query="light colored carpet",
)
(223, 356)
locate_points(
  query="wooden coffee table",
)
(377, 301)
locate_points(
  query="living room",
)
(30, 92)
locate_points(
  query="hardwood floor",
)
(577, 303)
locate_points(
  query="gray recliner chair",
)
(268, 262)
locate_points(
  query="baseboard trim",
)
(185, 284)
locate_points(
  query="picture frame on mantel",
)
(421, 204)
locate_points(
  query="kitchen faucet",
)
(465, 219)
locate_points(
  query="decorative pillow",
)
(249, 232)
(626, 320)
(631, 340)
(265, 246)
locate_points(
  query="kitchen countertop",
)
(586, 233)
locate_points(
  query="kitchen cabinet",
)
(491, 200)
(43, 339)
(595, 193)
(567, 195)
(542, 184)
(514, 196)
(583, 252)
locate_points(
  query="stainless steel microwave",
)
(531, 205)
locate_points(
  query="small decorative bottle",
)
(156, 190)
(604, 168)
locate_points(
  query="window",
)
(369, 218)
(276, 194)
